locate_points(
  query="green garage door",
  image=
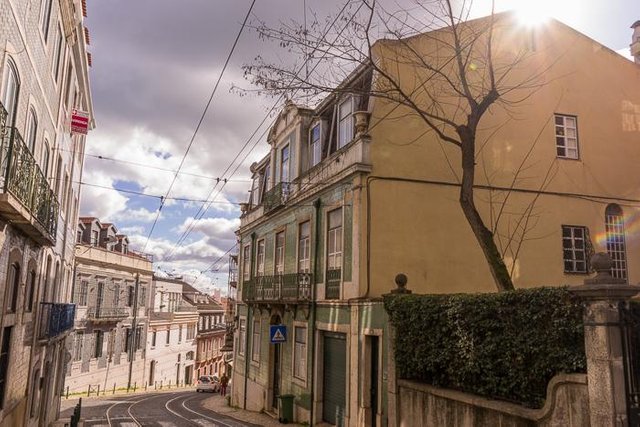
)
(334, 384)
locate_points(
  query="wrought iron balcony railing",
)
(36, 210)
(276, 197)
(55, 319)
(107, 313)
(332, 288)
(295, 287)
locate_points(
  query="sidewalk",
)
(218, 404)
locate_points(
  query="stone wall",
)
(567, 405)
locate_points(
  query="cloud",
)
(136, 215)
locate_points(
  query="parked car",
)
(208, 383)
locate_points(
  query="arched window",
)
(616, 246)
(46, 154)
(30, 291)
(14, 287)
(32, 130)
(10, 92)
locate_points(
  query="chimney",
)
(635, 42)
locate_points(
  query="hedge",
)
(506, 345)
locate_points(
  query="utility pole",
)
(132, 336)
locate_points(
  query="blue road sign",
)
(278, 334)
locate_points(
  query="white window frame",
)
(256, 339)
(616, 242)
(304, 248)
(285, 164)
(300, 353)
(574, 236)
(315, 146)
(246, 262)
(335, 234)
(566, 132)
(11, 90)
(279, 252)
(346, 122)
(260, 256)
(242, 336)
(32, 130)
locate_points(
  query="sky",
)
(155, 65)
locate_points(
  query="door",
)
(188, 374)
(373, 393)
(276, 376)
(152, 371)
(334, 381)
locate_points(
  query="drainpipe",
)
(316, 206)
(246, 328)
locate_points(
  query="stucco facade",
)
(113, 296)
(346, 200)
(43, 78)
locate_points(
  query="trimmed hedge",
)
(506, 345)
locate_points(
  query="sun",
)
(531, 13)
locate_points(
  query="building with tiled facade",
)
(113, 296)
(358, 189)
(171, 340)
(43, 78)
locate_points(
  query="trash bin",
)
(285, 408)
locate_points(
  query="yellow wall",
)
(419, 229)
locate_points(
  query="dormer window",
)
(284, 164)
(315, 144)
(345, 122)
(94, 238)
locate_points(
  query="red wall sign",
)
(79, 122)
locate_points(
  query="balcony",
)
(282, 288)
(107, 314)
(26, 199)
(55, 319)
(332, 290)
(276, 197)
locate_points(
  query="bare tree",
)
(456, 78)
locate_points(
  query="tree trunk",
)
(483, 235)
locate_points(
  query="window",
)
(10, 92)
(99, 341)
(94, 238)
(46, 18)
(130, 296)
(266, 181)
(284, 164)
(300, 353)
(246, 263)
(345, 122)
(77, 346)
(116, 295)
(242, 336)
(304, 247)
(154, 336)
(566, 136)
(126, 335)
(191, 331)
(255, 343)
(138, 339)
(616, 245)
(574, 249)
(143, 296)
(14, 287)
(46, 153)
(180, 334)
(168, 339)
(32, 130)
(57, 54)
(5, 351)
(315, 145)
(260, 258)
(334, 240)
(30, 291)
(83, 290)
(279, 253)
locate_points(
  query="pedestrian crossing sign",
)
(278, 334)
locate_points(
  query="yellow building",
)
(360, 189)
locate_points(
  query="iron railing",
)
(278, 288)
(55, 319)
(107, 313)
(332, 288)
(21, 176)
(276, 197)
(629, 313)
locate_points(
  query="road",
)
(166, 409)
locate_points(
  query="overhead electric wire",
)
(204, 113)
(201, 212)
(213, 264)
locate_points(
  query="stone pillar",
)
(603, 344)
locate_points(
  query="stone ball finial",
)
(401, 283)
(601, 262)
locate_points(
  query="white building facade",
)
(43, 79)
